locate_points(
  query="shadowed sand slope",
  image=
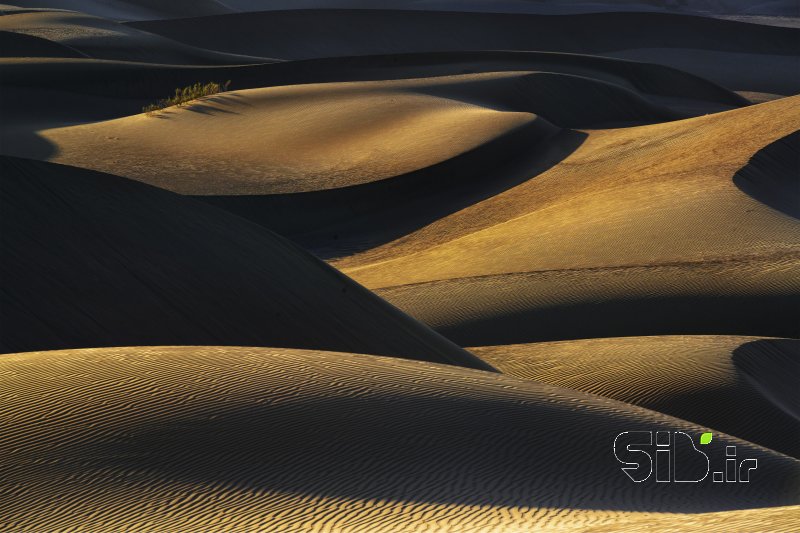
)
(642, 221)
(192, 438)
(772, 8)
(744, 386)
(738, 55)
(128, 9)
(98, 38)
(133, 265)
(771, 175)
(124, 79)
(324, 136)
(154, 9)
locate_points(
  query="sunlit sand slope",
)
(639, 231)
(740, 385)
(198, 439)
(98, 260)
(324, 136)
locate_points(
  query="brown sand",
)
(98, 260)
(481, 172)
(743, 386)
(539, 245)
(198, 439)
(323, 136)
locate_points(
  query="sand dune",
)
(538, 248)
(42, 94)
(134, 265)
(582, 188)
(198, 438)
(746, 57)
(38, 94)
(150, 9)
(133, 80)
(739, 385)
(324, 136)
(129, 9)
(771, 175)
(291, 139)
(78, 35)
(774, 8)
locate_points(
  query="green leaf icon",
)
(705, 438)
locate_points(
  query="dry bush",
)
(186, 95)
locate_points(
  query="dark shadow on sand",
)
(425, 447)
(772, 176)
(338, 222)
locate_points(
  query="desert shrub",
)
(186, 94)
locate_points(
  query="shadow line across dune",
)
(347, 220)
(772, 176)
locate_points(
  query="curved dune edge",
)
(125, 9)
(640, 231)
(117, 76)
(625, 181)
(749, 296)
(199, 437)
(763, 12)
(648, 215)
(696, 378)
(300, 34)
(323, 136)
(289, 139)
(739, 56)
(100, 38)
(771, 175)
(132, 264)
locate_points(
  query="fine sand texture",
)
(561, 255)
(241, 439)
(743, 386)
(396, 154)
(246, 244)
(325, 136)
(98, 260)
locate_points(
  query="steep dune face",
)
(539, 245)
(739, 385)
(771, 175)
(773, 367)
(129, 264)
(192, 438)
(739, 56)
(101, 38)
